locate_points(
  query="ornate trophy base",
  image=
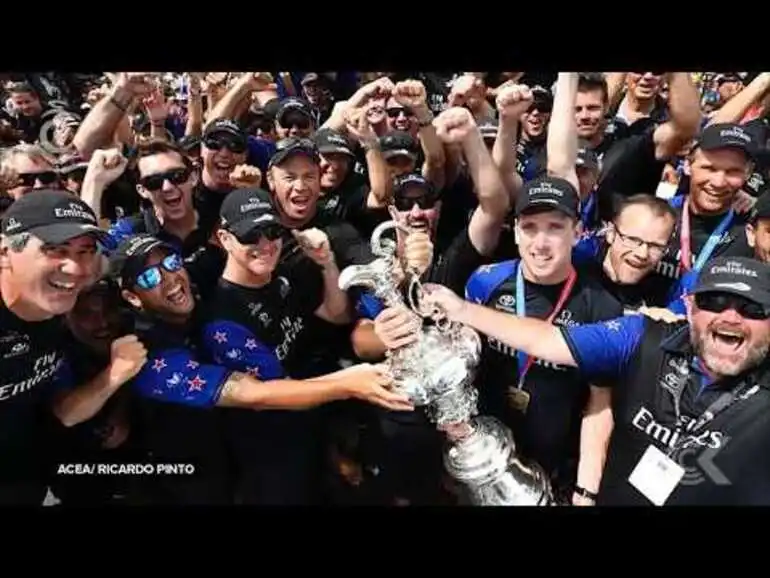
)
(482, 458)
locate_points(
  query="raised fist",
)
(418, 251)
(464, 89)
(127, 357)
(382, 88)
(246, 177)
(138, 83)
(454, 125)
(106, 166)
(411, 94)
(315, 244)
(513, 101)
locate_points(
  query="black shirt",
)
(549, 431)
(348, 202)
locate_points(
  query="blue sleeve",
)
(484, 280)
(175, 376)
(120, 230)
(368, 306)
(586, 250)
(605, 348)
(260, 152)
(237, 348)
(677, 307)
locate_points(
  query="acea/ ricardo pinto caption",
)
(143, 469)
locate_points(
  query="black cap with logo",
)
(411, 180)
(130, 257)
(330, 141)
(227, 127)
(761, 208)
(727, 135)
(247, 213)
(293, 104)
(548, 193)
(741, 276)
(398, 143)
(54, 217)
(291, 146)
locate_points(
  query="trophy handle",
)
(385, 247)
(414, 295)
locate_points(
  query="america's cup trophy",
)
(436, 373)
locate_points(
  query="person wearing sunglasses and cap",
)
(257, 323)
(692, 403)
(177, 381)
(26, 167)
(49, 255)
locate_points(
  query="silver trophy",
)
(436, 373)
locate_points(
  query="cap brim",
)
(738, 289)
(399, 153)
(245, 228)
(735, 145)
(63, 232)
(330, 150)
(227, 131)
(545, 206)
(282, 156)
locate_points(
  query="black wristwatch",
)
(581, 491)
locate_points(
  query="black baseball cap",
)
(728, 77)
(225, 126)
(742, 276)
(246, 211)
(727, 135)
(129, 259)
(548, 193)
(329, 141)
(489, 128)
(293, 104)
(398, 143)
(400, 184)
(54, 217)
(291, 146)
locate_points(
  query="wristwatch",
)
(581, 491)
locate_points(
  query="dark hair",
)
(590, 81)
(659, 207)
(20, 87)
(150, 147)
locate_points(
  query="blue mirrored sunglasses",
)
(151, 277)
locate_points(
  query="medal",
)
(518, 399)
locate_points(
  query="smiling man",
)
(48, 256)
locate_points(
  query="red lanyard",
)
(685, 248)
(525, 361)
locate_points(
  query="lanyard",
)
(720, 405)
(708, 248)
(524, 361)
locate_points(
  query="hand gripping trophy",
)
(437, 373)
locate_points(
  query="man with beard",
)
(693, 398)
(707, 225)
(178, 388)
(256, 316)
(531, 146)
(48, 256)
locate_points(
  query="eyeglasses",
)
(302, 123)
(425, 201)
(45, 178)
(218, 142)
(174, 176)
(151, 277)
(635, 242)
(396, 111)
(718, 302)
(253, 237)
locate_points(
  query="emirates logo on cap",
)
(12, 224)
(735, 132)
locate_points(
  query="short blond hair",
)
(34, 151)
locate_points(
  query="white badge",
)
(656, 475)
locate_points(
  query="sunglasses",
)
(253, 237)
(234, 145)
(717, 302)
(396, 111)
(425, 201)
(151, 277)
(45, 178)
(175, 177)
(302, 123)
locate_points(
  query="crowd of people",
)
(170, 282)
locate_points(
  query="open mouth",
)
(727, 339)
(300, 203)
(223, 169)
(540, 260)
(173, 200)
(177, 295)
(67, 287)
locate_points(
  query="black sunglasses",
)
(717, 302)
(398, 110)
(45, 178)
(175, 177)
(217, 142)
(302, 123)
(269, 232)
(425, 201)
